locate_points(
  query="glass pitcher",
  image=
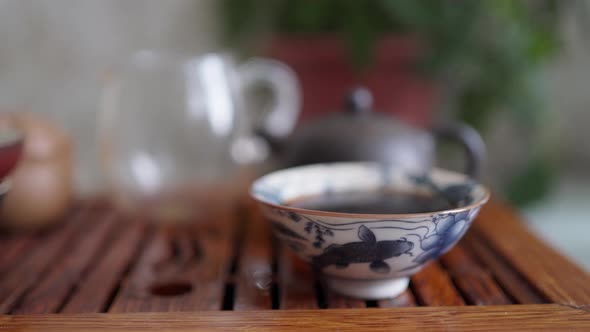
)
(175, 133)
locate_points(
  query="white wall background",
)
(53, 53)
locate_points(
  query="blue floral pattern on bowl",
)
(367, 246)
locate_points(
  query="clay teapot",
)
(359, 134)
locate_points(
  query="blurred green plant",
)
(484, 54)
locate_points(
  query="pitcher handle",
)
(280, 121)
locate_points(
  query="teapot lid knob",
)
(359, 101)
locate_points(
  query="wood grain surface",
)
(14, 247)
(94, 292)
(254, 280)
(474, 282)
(557, 278)
(297, 284)
(507, 277)
(50, 293)
(94, 262)
(434, 287)
(550, 317)
(180, 269)
(406, 299)
(17, 282)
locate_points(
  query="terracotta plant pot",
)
(326, 76)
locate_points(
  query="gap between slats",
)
(549, 272)
(183, 268)
(96, 292)
(35, 266)
(508, 278)
(475, 284)
(53, 290)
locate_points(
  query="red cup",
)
(11, 148)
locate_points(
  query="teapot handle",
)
(471, 142)
(279, 122)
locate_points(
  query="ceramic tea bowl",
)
(368, 256)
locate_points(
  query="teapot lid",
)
(359, 101)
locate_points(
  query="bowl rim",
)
(476, 204)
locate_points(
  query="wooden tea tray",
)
(96, 271)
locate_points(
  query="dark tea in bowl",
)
(380, 202)
(365, 227)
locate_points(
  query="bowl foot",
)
(368, 289)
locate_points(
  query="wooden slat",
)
(94, 291)
(497, 261)
(134, 291)
(434, 287)
(177, 264)
(335, 300)
(14, 249)
(255, 278)
(28, 271)
(556, 277)
(520, 290)
(475, 283)
(545, 317)
(297, 286)
(406, 299)
(49, 294)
